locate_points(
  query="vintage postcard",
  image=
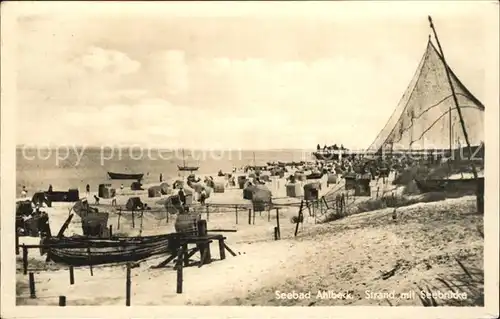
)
(247, 159)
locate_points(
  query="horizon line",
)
(164, 148)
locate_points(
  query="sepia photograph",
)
(296, 156)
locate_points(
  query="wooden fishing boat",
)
(462, 185)
(315, 175)
(187, 168)
(72, 195)
(80, 250)
(125, 176)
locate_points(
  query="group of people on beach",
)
(333, 147)
(32, 222)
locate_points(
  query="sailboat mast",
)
(459, 112)
(451, 131)
(183, 159)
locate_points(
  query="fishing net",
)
(426, 118)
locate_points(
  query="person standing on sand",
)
(182, 196)
(43, 225)
(161, 177)
(203, 196)
(24, 192)
(87, 189)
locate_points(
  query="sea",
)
(75, 167)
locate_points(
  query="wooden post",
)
(185, 255)
(204, 248)
(119, 216)
(110, 231)
(236, 211)
(222, 249)
(337, 203)
(378, 188)
(25, 260)
(17, 242)
(208, 213)
(133, 219)
(342, 203)
(275, 233)
(249, 216)
(229, 250)
(278, 222)
(62, 301)
(202, 227)
(32, 285)
(269, 214)
(71, 275)
(142, 218)
(308, 205)
(253, 222)
(90, 261)
(326, 204)
(65, 225)
(127, 287)
(299, 217)
(320, 211)
(179, 270)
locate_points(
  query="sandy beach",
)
(346, 255)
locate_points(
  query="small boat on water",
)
(184, 167)
(187, 168)
(81, 250)
(125, 176)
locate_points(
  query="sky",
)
(251, 76)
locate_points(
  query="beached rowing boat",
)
(125, 176)
(315, 175)
(461, 185)
(80, 250)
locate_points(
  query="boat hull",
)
(187, 168)
(125, 176)
(74, 251)
(463, 186)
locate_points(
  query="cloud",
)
(158, 122)
(113, 62)
(288, 84)
(237, 102)
(172, 70)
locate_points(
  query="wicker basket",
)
(187, 223)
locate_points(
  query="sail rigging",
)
(426, 116)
